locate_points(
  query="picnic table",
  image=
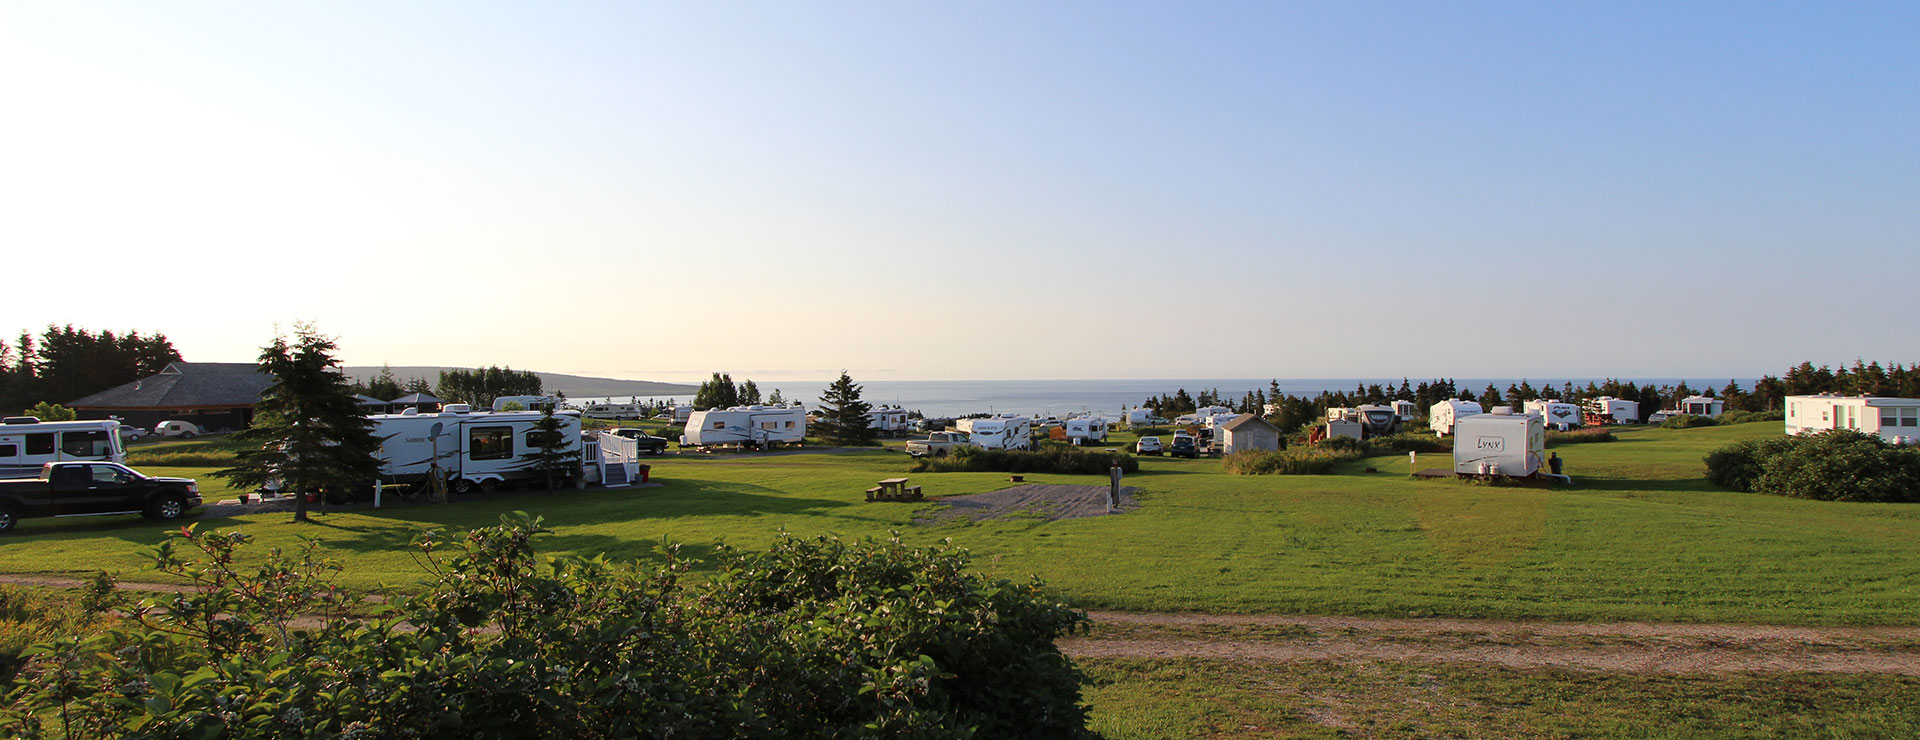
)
(894, 489)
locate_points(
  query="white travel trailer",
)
(1610, 410)
(888, 420)
(1499, 444)
(1206, 412)
(26, 443)
(471, 449)
(1896, 420)
(1087, 429)
(1377, 420)
(176, 428)
(1558, 414)
(1405, 410)
(1444, 414)
(1002, 433)
(1702, 406)
(613, 411)
(1139, 417)
(754, 427)
(527, 403)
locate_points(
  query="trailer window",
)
(40, 444)
(540, 439)
(789, 425)
(769, 425)
(9, 450)
(720, 424)
(490, 443)
(86, 444)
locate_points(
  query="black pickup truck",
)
(648, 443)
(91, 488)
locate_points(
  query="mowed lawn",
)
(1640, 537)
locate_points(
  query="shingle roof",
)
(1245, 419)
(417, 398)
(366, 400)
(186, 384)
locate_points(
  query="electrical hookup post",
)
(1113, 490)
(1413, 463)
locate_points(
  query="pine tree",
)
(843, 416)
(776, 399)
(385, 386)
(308, 430)
(547, 451)
(749, 394)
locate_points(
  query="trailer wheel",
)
(489, 485)
(186, 435)
(462, 486)
(8, 517)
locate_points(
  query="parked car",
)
(1184, 446)
(90, 488)
(648, 443)
(129, 432)
(938, 444)
(1147, 446)
(173, 428)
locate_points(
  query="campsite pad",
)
(1052, 503)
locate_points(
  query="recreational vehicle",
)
(1702, 406)
(1139, 417)
(1558, 414)
(1442, 416)
(614, 411)
(1087, 429)
(26, 443)
(1377, 420)
(1404, 409)
(1896, 420)
(470, 449)
(752, 427)
(1002, 433)
(889, 421)
(1507, 444)
(527, 403)
(1610, 410)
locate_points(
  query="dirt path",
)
(1639, 647)
(1052, 502)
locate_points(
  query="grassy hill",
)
(575, 386)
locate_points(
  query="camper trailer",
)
(1610, 410)
(26, 443)
(526, 403)
(1444, 414)
(1377, 420)
(1896, 420)
(751, 427)
(889, 421)
(1087, 429)
(1499, 443)
(1139, 417)
(1405, 410)
(470, 449)
(1558, 414)
(1002, 433)
(614, 411)
(1702, 406)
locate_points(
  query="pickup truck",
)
(646, 442)
(938, 444)
(93, 488)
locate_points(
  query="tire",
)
(460, 486)
(167, 506)
(489, 486)
(186, 435)
(942, 452)
(8, 518)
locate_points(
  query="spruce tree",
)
(548, 453)
(308, 432)
(843, 416)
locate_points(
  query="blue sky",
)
(975, 190)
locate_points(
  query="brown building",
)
(215, 396)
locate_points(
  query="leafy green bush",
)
(190, 458)
(1747, 417)
(1292, 461)
(1342, 444)
(1735, 466)
(1838, 465)
(1409, 442)
(1687, 421)
(1048, 458)
(28, 617)
(1579, 436)
(814, 638)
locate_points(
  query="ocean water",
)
(1060, 397)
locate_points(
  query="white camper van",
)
(1002, 433)
(1610, 410)
(472, 450)
(1087, 429)
(1896, 420)
(26, 443)
(1499, 444)
(752, 427)
(1702, 406)
(1558, 414)
(527, 403)
(1444, 414)
(613, 411)
(890, 421)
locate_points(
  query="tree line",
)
(65, 363)
(720, 392)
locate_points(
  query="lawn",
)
(1641, 536)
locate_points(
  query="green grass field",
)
(1641, 536)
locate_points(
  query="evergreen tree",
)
(548, 453)
(307, 429)
(718, 392)
(1490, 398)
(776, 399)
(384, 386)
(749, 393)
(416, 385)
(843, 416)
